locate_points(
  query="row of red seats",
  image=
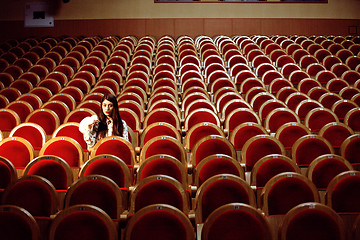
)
(161, 221)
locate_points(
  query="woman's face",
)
(107, 108)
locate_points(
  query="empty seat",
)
(99, 191)
(342, 107)
(209, 145)
(110, 166)
(66, 148)
(352, 120)
(16, 223)
(348, 149)
(8, 174)
(116, 146)
(240, 116)
(159, 221)
(342, 195)
(35, 194)
(78, 114)
(336, 133)
(236, 219)
(285, 191)
(309, 147)
(259, 146)
(200, 115)
(159, 189)
(216, 164)
(244, 132)
(325, 167)
(312, 221)
(163, 145)
(220, 190)
(17, 150)
(32, 132)
(52, 168)
(269, 166)
(82, 222)
(278, 117)
(289, 133)
(46, 118)
(318, 118)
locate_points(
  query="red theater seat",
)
(234, 219)
(99, 191)
(165, 221)
(312, 221)
(16, 223)
(82, 222)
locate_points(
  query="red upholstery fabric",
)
(217, 166)
(32, 134)
(31, 195)
(108, 168)
(14, 227)
(160, 225)
(115, 148)
(21, 108)
(305, 107)
(82, 225)
(164, 146)
(65, 150)
(222, 192)
(52, 171)
(45, 120)
(210, 147)
(78, 115)
(200, 132)
(319, 118)
(239, 116)
(158, 191)
(279, 118)
(199, 116)
(5, 175)
(161, 166)
(268, 106)
(351, 152)
(310, 149)
(326, 170)
(270, 168)
(244, 134)
(97, 193)
(130, 119)
(260, 148)
(336, 134)
(237, 223)
(7, 121)
(290, 134)
(287, 193)
(313, 224)
(353, 120)
(342, 107)
(161, 115)
(73, 132)
(346, 195)
(16, 152)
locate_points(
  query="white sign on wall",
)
(37, 15)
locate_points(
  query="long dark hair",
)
(118, 127)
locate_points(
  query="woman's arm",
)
(88, 127)
(125, 133)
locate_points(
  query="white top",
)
(90, 135)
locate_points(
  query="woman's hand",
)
(94, 126)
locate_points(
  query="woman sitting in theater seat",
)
(108, 123)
